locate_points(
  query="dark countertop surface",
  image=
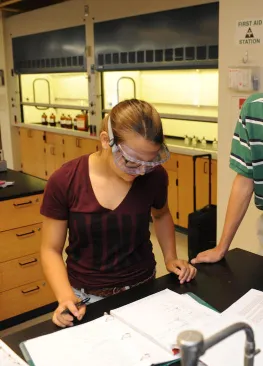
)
(219, 284)
(25, 185)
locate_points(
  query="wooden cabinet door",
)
(185, 188)
(71, 148)
(76, 146)
(202, 180)
(214, 182)
(89, 146)
(173, 195)
(54, 152)
(32, 147)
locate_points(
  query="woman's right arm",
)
(54, 234)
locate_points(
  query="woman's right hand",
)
(66, 320)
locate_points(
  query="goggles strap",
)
(110, 133)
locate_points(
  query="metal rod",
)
(3, 4)
(11, 10)
(182, 117)
(61, 106)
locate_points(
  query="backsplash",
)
(188, 93)
(70, 89)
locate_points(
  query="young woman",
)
(105, 200)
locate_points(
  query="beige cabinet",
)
(42, 153)
(214, 182)
(171, 167)
(76, 146)
(54, 152)
(22, 284)
(32, 149)
(185, 188)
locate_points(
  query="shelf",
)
(60, 106)
(181, 117)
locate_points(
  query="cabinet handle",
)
(205, 165)
(52, 150)
(26, 263)
(17, 205)
(29, 133)
(32, 290)
(78, 143)
(24, 234)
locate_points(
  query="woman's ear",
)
(104, 139)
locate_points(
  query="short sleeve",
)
(161, 188)
(240, 157)
(55, 202)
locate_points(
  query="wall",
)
(231, 55)
(5, 127)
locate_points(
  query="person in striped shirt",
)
(246, 159)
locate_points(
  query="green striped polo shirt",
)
(246, 156)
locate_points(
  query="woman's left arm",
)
(165, 233)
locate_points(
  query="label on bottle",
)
(81, 124)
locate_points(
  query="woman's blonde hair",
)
(136, 116)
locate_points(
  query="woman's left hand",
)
(184, 270)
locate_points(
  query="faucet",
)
(192, 344)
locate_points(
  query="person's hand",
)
(182, 269)
(66, 320)
(209, 256)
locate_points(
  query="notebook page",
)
(230, 352)
(104, 341)
(250, 306)
(9, 357)
(163, 315)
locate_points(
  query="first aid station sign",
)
(249, 32)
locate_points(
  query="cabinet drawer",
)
(25, 298)
(20, 271)
(171, 164)
(20, 212)
(20, 242)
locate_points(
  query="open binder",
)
(142, 333)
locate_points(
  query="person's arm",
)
(241, 193)
(165, 233)
(54, 234)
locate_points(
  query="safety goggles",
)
(125, 160)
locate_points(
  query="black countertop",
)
(219, 284)
(25, 185)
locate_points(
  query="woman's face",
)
(137, 148)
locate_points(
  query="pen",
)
(167, 363)
(78, 305)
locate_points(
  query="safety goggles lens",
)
(130, 165)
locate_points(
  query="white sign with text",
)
(249, 32)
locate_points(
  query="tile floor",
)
(181, 244)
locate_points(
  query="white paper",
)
(162, 316)
(230, 352)
(249, 306)
(104, 341)
(8, 357)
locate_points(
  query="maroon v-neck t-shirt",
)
(107, 248)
